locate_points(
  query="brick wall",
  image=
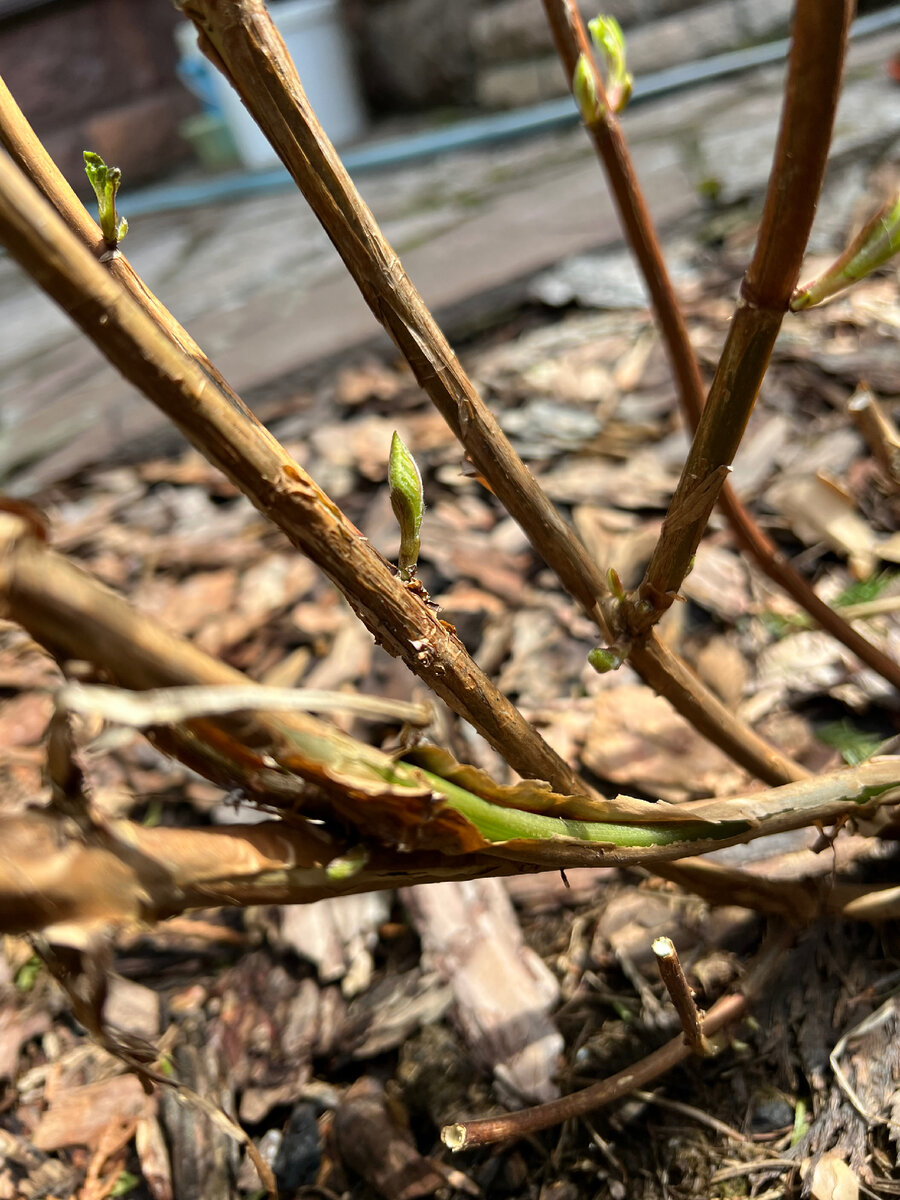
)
(99, 75)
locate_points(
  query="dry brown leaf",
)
(832, 1179)
(638, 741)
(79, 1116)
(819, 511)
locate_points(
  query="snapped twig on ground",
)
(672, 974)
(606, 133)
(466, 1135)
(241, 40)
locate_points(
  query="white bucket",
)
(317, 43)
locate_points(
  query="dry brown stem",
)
(241, 40)
(658, 666)
(68, 867)
(672, 974)
(231, 437)
(880, 432)
(62, 880)
(469, 1134)
(571, 40)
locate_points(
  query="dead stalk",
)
(231, 437)
(672, 974)
(571, 40)
(119, 874)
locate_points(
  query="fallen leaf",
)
(637, 740)
(832, 1179)
(78, 1116)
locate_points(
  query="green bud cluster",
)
(105, 182)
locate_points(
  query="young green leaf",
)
(584, 89)
(408, 503)
(876, 242)
(347, 865)
(105, 182)
(606, 658)
(607, 36)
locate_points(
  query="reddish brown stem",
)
(672, 974)
(813, 82)
(469, 1134)
(571, 40)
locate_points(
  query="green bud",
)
(408, 503)
(614, 583)
(876, 242)
(607, 36)
(584, 90)
(606, 658)
(347, 865)
(105, 182)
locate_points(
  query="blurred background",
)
(126, 79)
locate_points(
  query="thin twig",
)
(171, 706)
(571, 41)
(880, 432)
(469, 1134)
(672, 974)
(240, 39)
(231, 437)
(695, 1114)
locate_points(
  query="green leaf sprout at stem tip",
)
(876, 242)
(614, 583)
(408, 503)
(105, 182)
(584, 89)
(607, 36)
